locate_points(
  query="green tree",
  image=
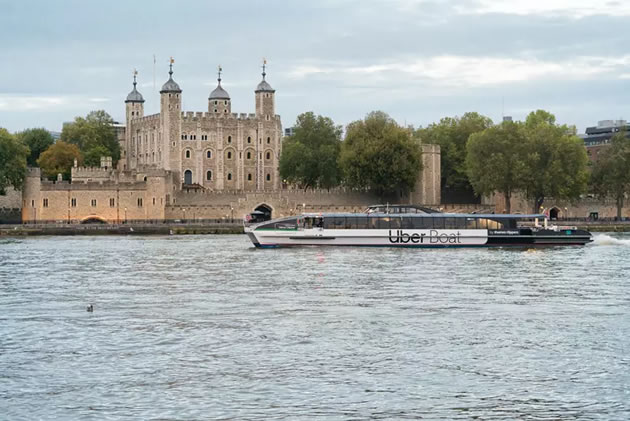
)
(92, 157)
(611, 171)
(59, 159)
(556, 164)
(380, 155)
(92, 131)
(37, 140)
(13, 155)
(495, 160)
(452, 134)
(310, 156)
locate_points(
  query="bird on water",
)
(90, 308)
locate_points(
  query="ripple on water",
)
(206, 327)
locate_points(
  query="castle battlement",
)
(188, 116)
(33, 172)
(147, 118)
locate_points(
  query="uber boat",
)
(412, 226)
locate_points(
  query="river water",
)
(206, 327)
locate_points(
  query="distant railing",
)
(182, 221)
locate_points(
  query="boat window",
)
(336, 222)
(359, 222)
(308, 223)
(471, 223)
(438, 223)
(407, 222)
(494, 225)
(421, 223)
(450, 223)
(395, 222)
(383, 222)
(372, 222)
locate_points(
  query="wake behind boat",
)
(412, 226)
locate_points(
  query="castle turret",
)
(265, 101)
(219, 99)
(134, 105)
(170, 122)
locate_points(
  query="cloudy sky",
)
(418, 60)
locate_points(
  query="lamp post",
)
(125, 215)
(184, 217)
(232, 214)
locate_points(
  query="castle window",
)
(112, 202)
(268, 156)
(187, 153)
(215, 103)
(229, 176)
(193, 137)
(249, 177)
(208, 154)
(208, 175)
(229, 139)
(215, 110)
(225, 111)
(93, 203)
(154, 200)
(268, 177)
(45, 203)
(225, 102)
(204, 137)
(268, 140)
(132, 113)
(73, 202)
(229, 155)
(249, 155)
(139, 202)
(249, 139)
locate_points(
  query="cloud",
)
(452, 70)
(20, 103)
(563, 8)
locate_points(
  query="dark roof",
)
(219, 93)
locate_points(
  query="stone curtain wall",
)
(606, 208)
(10, 206)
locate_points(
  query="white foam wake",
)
(607, 240)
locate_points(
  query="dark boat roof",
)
(432, 215)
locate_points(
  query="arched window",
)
(268, 156)
(208, 154)
(268, 140)
(268, 177)
(249, 177)
(229, 139)
(229, 176)
(249, 155)
(187, 177)
(209, 175)
(229, 155)
(187, 153)
(249, 139)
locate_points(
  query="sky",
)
(417, 60)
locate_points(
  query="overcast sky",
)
(418, 60)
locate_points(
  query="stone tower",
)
(265, 101)
(219, 99)
(134, 105)
(170, 123)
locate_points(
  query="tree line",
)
(537, 157)
(85, 139)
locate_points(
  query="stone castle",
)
(197, 165)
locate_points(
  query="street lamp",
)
(125, 215)
(184, 218)
(232, 213)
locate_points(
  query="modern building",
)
(598, 137)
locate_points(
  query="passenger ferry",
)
(413, 226)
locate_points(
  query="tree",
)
(37, 140)
(94, 130)
(611, 171)
(92, 157)
(556, 160)
(380, 155)
(495, 160)
(310, 156)
(452, 134)
(59, 159)
(12, 161)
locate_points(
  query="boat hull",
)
(419, 238)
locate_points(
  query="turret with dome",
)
(219, 100)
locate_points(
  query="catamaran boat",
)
(413, 226)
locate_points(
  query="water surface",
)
(206, 327)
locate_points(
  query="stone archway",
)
(266, 210)
(93, 219)
(188, 177)
(554, 213)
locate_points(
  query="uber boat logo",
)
(434, 237)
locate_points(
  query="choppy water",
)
(205, 327)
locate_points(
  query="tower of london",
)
(215, 149)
